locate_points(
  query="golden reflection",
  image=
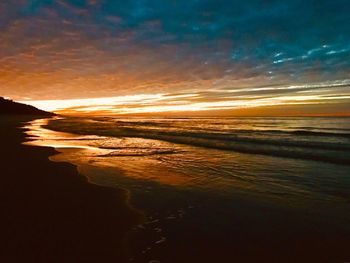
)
(96, 162)
(39, 136)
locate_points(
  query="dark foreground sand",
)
(50, 213)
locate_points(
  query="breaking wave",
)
(325, 141)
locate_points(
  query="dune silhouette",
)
(11, 107)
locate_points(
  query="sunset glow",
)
(175, 131)
(103, 57)
(321, 94)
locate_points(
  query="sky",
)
(204, 57)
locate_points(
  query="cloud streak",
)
(226, 99)
(79, 49)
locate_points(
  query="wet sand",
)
(50, 213)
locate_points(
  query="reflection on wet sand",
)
(50, 213)
(132, 157)
(187, 166)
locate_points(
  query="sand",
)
(50, 213)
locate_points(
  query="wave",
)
(137, 152)
(259, 138)
(324, 134)
(253, 148)
(309, 145)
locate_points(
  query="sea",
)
(218, 189)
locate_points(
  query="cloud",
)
(66, 49)
(303, 96)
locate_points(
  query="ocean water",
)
(213, 173)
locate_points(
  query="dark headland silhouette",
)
(49, 212)
(11, 107)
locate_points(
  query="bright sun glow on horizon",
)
(220, 100)
(55, 105)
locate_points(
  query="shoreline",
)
(51, 212)
(216, 228)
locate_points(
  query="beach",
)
(50, 213)
(181, 131)
(203, 203)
